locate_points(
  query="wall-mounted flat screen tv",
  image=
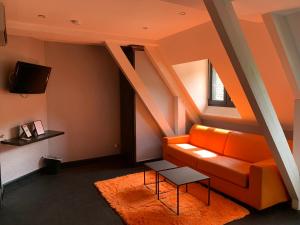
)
(29, 78)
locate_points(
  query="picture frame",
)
(38, 125)
(26, 130)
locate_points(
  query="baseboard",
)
(91, 160)
(64, 165)
(19, 179)
(145, 161)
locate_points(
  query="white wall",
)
(148, 134)
(155, 85)
(16, 110)
(194, 76)
(83, 101)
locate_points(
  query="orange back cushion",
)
(209, 138)
(247, 147)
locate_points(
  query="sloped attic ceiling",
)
(246, 10)
(135, 21)
(190, 47)
(131, 20)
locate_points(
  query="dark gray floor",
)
(70, 198)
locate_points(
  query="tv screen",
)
(29, 78)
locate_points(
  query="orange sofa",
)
(239, 164)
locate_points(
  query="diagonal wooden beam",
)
(173, 82)
(136, 82)
(286, 48)
(282, 37)
(179, 117)
(230, 33)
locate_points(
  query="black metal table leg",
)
(144, 175)
(158, 186)
(208, 200)
(178, 200)
(156, 182)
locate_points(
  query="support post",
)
(173, 82)
(179, 116)
(230, 33)
(139, 86)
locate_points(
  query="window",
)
(218, 95)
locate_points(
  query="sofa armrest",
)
(266, 182)
(268, 163)
(174, 140)
(177, 139)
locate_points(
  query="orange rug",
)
(138, 205)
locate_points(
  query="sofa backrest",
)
(247, 147)
(210, 138)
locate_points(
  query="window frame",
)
(227, 100)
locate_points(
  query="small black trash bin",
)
(51, 165)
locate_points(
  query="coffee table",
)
(184, 176)
(157, 166)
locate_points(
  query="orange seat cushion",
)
(210, 138)
(232, 170)
(247, 147)
(183, 153)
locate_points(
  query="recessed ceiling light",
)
(145, 28)
(182, 13)
(41, 16)
(76, 22)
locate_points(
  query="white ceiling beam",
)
(286, 48)
(230, 33)
(173, 82)
(136, 82)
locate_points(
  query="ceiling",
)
(134, 21)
